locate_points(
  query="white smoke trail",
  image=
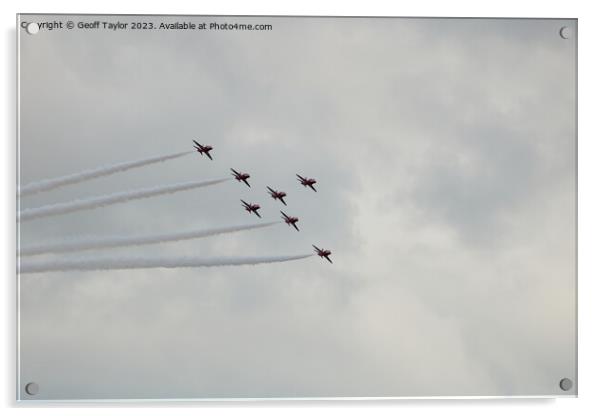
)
(101, 201)
(49, 184)
(147, 263)
(81, 244)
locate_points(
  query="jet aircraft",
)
(241, 177)
(323, 253)
(251, 208)
(307, 182)
(277, 194)
(203, 149)
(290, 220)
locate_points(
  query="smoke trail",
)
(147, 263)
(82, 244)
(101, 201)
(49, 184)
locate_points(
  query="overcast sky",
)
(445, 157)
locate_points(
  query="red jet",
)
(241, 177)
(203, 149)
(251, 208)
(290, 220)
(323, 253)
(307, 182)
(277, 194)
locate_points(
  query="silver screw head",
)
(566, 384)
(565, 32)
(32, 28)
(32, 389)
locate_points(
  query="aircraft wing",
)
(326, 257)
(209, 156)
(247, 183)
(295, 225)
(312, 187)
(257, 213)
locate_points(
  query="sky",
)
(445, 154)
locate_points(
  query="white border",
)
(590, 205)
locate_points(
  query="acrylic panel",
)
(221, 207)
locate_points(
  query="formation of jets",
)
(254, 208)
